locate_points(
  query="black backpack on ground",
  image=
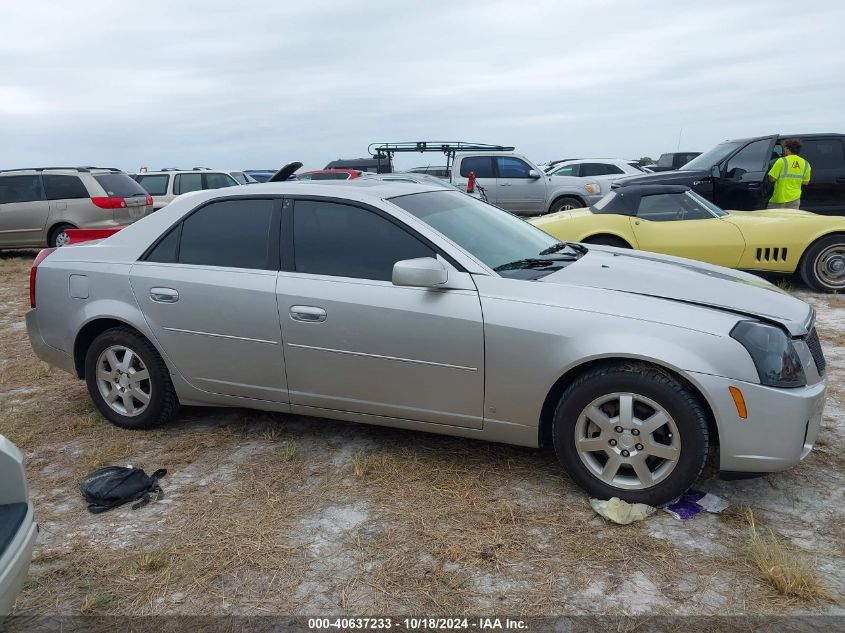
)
(113, 486)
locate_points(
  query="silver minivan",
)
(38, 205)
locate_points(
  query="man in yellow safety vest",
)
(789, 174)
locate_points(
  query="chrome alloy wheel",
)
(123, 380)
(62, 239)
(830, 266)
(627, 441)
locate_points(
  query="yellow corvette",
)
(674, 220)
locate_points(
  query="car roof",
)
(84, 170)
(204, 170)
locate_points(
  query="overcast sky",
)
(259, 84)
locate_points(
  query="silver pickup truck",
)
(17, 526)
(515, 184)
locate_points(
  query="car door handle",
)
(307, 314)
(504, 184)
(754, 185)
(164, 295)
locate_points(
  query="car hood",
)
(687, 281)
(676, 177)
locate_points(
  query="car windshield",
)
(601, 205)
(495, 237)
(704, 202)
(712, 156)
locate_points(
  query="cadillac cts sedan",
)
(419, 307)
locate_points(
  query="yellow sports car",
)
(674, 220)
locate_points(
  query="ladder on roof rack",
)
(385, 151)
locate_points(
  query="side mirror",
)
(533, 173)
(715, 172)
(423, 272)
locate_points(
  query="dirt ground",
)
(279, 514)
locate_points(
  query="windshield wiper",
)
(556, 248)
(537, 262)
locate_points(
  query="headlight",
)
(590, 188)
(773, 354)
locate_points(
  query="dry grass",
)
(781, 566)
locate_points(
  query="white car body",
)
(603, 170)
(18, 529)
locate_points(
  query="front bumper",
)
(14, 564)
(47, 353)
(780, 429)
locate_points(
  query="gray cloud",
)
(220, 84)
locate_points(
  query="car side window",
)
(568, 170)
(481, 165)
(660, 207)
(823, 153)
(510, 167)
(64, 187)
(599, 169)
(20, 189)
(186, 183)
(215, 180)
(341, 240)
(751, 158)
(155, 185)
(230, 233)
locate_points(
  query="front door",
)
(23, 211)
(825, 192)
(208, 293)
(743, 183)
(673, 224)
(355, 342)
(518, 192)
(485, 176)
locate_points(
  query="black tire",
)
(55, 232)
(607, 240)
(163, 404)
(677, 399)
(565, 203)
(822, 277)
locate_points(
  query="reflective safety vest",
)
(789, 172)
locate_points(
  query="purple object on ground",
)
(685, 507)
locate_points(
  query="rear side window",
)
(64, 187)
(120, 185)
(155, 185)
(481, 165)
(823, 153)
(568, 170)
(661, 207)
(232, 233)
(332, 175)
(186, 183)
(20, 189)
(240, 177)
(599, 169)
(346, 241)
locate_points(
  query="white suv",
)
(166, 184)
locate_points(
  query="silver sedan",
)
(419, 307)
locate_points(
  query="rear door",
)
(517, 191)
(70, 201)
(208, 293)
(743, 183)
(825, 192)
(603, 173)
(23, 211)
(485, 175)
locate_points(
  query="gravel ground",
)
(280, 514)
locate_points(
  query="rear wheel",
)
(566, 203)
(823, 265)
(58, 235)
(128, 380)
(607, 240)
(631, 431)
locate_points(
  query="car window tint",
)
(346, 241)
(165, 252)
(660, 207)
(240, 177)
(481, 165)
(823, 153)
(568, 170)
(20, 189)
(599, 169)
(155, 185)
(751, 158)
(65, 187)
(216, 180)
(233, 233)
(187, 182)
(330, 175)
(510, 167)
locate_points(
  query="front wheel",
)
(631, 431)
(823, 265)
(128, 380)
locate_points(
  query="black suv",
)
(733, 174)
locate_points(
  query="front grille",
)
(815, 346)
